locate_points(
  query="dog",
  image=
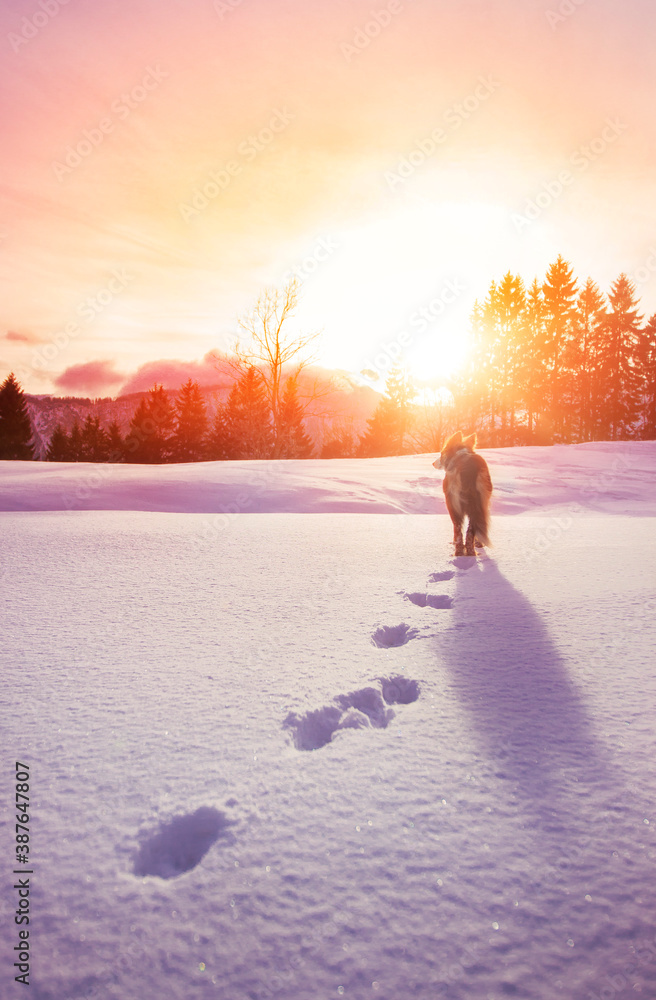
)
(467, 490)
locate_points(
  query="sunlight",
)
(430, 397)
(401, 288)
(439, 356)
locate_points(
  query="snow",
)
(598, 476)
(292, 748)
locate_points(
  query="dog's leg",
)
(455, 512)
(457, 536)
(469, 548)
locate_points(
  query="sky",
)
(162, 163)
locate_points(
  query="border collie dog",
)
(467, 490)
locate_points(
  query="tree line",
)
(163, 430)
(558, 361)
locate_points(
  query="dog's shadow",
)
(527, 714)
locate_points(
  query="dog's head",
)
(454, 444)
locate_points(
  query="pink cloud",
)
(21, 338)
(94, 377)
(172, 373)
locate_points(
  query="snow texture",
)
(303, 752)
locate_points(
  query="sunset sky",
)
(162, 161)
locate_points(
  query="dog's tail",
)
(479, 516)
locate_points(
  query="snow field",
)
(492, 837)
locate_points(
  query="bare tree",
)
(275, 352)
(431, 422)
(339, 439)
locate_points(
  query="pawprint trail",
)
(389, 636)
(366, 708)
(369, 707)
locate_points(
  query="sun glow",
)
(400, 289)
(439, 356)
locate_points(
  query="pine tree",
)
(531, 363)
(647, 368)
(220, 443)
(293, 442)
(339, 441)
(15, 427)
(505, 312)
(491, 383)
(585, 391)
(619, 371)
(559, 291)
(148, 441)
(58, 448)
(162, 414)
(115, 443)
(387, 428)
(94, 441)
(138, 443)
(188, 441)
(242, 427)
(75, 443)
